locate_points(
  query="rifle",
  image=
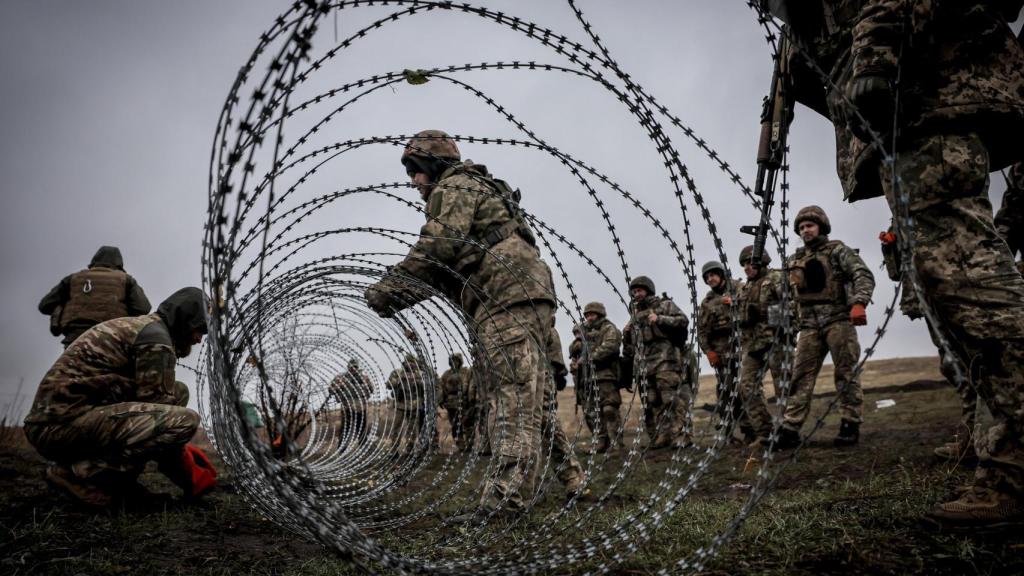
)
(776, 114)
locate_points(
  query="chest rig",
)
(817, 277)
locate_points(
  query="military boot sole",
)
(82, 491)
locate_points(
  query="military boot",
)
(664, 439)
(957, 451)
(602, 445)
(849, 433)
(82, 490)
(979, 507)
(788, 439)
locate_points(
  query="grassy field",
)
(833, 511)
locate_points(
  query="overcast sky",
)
(109, 110)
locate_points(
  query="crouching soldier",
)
(110, 404)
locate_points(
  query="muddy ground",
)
(849, 511)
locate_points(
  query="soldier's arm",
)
(858, 272)
(878, 33)
(57, 296)
(443, 237)
(608, 344)
(154, 365)
(671, 316)
(627, 341)
(135, 299)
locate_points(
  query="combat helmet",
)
(428, 147)
(642, 282)
(455, 360)
(712, 266)
(814, 214)
(745, 254)
(596, 308)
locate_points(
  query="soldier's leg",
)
(514, 343)
(971, 283)
(652, 407)
(962, 446)
(811, 350)
(841, 338)
(611, 416)
(468, 425)
(567, 466)
(676, 398)
(751, 391)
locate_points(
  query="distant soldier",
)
(599, 349)
(833, 286)
(716, 339)
(110, 404)
(408, 384)
(762, 323)
(567, 466)
(352, 391)
(101, 292)
(478, 250)
(657, 328)
(458, 399)
(1009, 220)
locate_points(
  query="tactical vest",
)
(96, 295)
(817, 277)
(515, 225)
(720, 322)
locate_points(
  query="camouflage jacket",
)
(603, 341)
(760, 309)
(828, 277)
(409, 385)
(1010, 217)
(465, 207)
(352, 390)
(961, 70)
(554, 354)
(661, 355)
(127, 359)
(456, 389)
(714, 320)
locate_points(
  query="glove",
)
(858, 315)
(713, 359)
(873, 97)
(560, 382)
(887, 238)
(379, 301)
(727, 300)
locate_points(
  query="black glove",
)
(873, 97)
(560, 382)
(379, 301)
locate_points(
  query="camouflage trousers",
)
(601, 402)
(567, 466)
(463, 423)
(971, 283)
(118, 437)
(668, 405)
(751, 392)
(840, 340)
(513, 341)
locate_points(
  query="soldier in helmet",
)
(408, 384)
(657, 328)
(762, 320)
(352, 391)
(716, 340)
(110, 404)
(458, 398)
(833, 286)
(598, 365)
(961, 101)
(477, 249)
(99, 293)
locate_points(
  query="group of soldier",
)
(926, 98)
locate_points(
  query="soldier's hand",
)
(379, 301)
(727, 300)
(652, 318)
(713, 359)
(873, 97)
(858, 315)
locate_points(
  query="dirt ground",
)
(833, 511)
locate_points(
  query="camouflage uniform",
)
(568, 468)
(667, 397)
(408, 384)
(101, 292)
(352, 391)
(828, 279)
(477, 250)
(110, 403)
(761, 315)
(599, 391)
(592, 418)
(714, 336)
(458, 398)
(1009, 220)
(962, 112)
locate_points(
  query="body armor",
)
(96, 295)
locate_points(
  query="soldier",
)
(1009, 220)
(408, 384)
(477, 249)
(715, 338)
(101, 292)
(110, 404)
(568, 469)
(352, 391)
(458, 399)
(832, 286)
(601, 390)
(961, 113)
(761, 335)
(659, 326)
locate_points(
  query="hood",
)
(108, 257)
(184, 311)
